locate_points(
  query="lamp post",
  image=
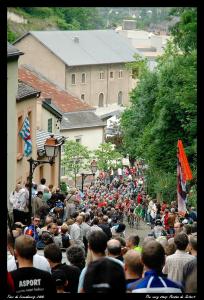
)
(93, 168)
(51, 151)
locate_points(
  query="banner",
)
(25, 134)
(183, 175)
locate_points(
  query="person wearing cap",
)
(60, 280)
(104, 276)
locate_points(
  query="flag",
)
(25, 134)
(183, 175)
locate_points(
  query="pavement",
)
(142, 232)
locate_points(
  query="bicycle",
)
(137, 221)
(131, 220)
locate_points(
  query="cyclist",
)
(138, 213)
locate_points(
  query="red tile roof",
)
(61, 98)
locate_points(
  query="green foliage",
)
(75, 157)
(138, 67)
(65, 18)
(185, 31)
(11, 36)
(164, 109)
(192, 197)
(62, 24)
(40, 12)
(107, 157)
(161, 184)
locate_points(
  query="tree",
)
(185, 31)
(76, 157)
(164, 109)
(107, 157)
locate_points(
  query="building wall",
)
(50, 173)
(45, 115)
(54, 69)
(90, 137)
(12, 86)
(39, 57)
(110, 87)
(22, 165)
(39, 114)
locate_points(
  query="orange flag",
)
(186, 170)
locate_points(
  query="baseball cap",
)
(104, 276)
(59, 277)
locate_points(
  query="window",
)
(101, 75)
(111, 74)
(78, 140)
(49, 125)
(120, 98)
(73, 78)
(101, 97)
(83, 78)
(19, 139)
(120, 74)
(83, 97)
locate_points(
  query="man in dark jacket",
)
(105, 227)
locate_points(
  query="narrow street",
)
(142, 231)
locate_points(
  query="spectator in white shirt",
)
(175, 263)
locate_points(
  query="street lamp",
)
(51, 147)
(93, 168)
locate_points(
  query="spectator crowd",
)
(90, 227)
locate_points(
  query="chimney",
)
(76, 39)
(48, 100)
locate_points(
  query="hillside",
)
(23, 19)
